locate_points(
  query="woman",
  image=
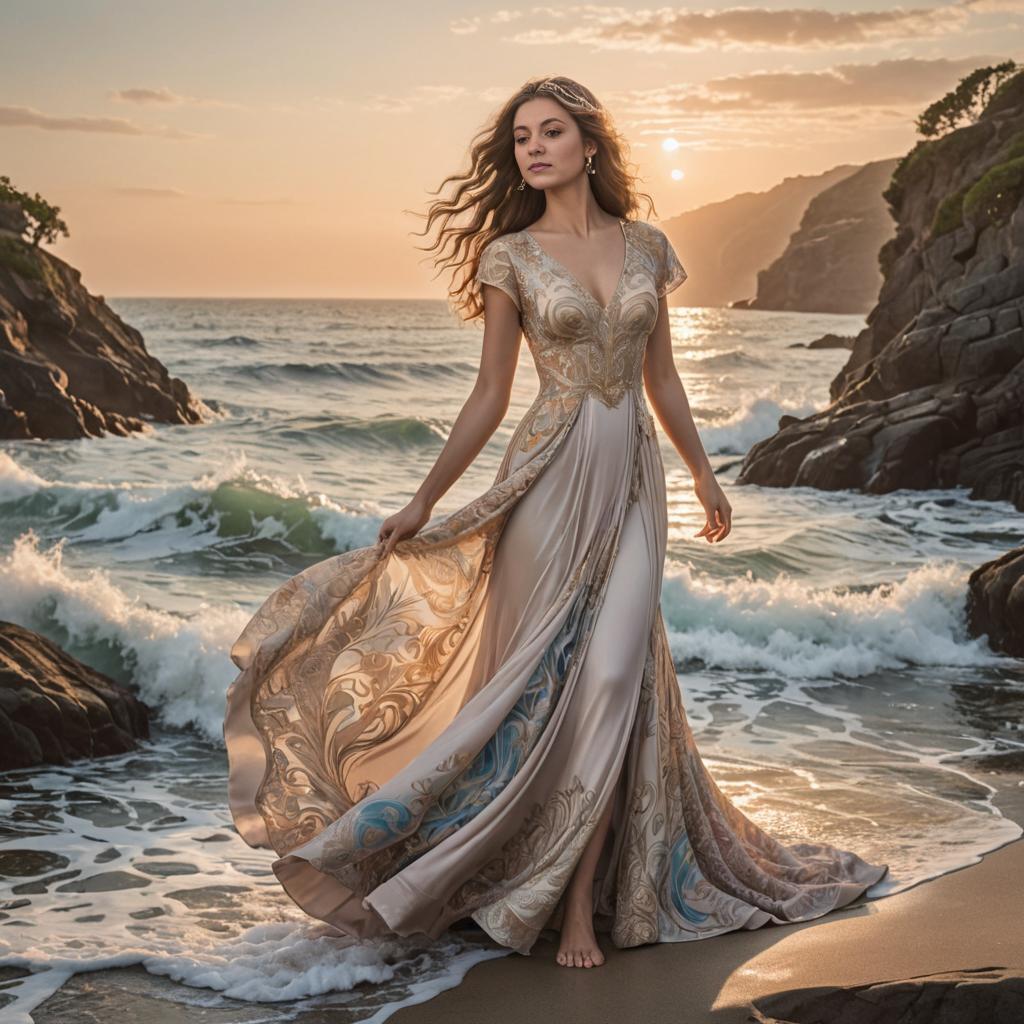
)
(479, 716)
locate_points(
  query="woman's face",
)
(548, 145)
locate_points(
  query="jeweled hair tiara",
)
(568, 94)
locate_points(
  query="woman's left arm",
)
(668, 399)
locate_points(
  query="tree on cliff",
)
(44, 224)
(965, 102)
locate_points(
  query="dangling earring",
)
(521, 185)
(591, 169)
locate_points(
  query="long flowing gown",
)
(434, 735)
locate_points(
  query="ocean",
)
(821, 649)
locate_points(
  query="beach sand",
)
(972, 917)
(967, 919)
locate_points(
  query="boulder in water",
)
(54, 709)
(995, 602)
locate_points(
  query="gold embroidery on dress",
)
(343, 686)
(545, 850)
(578, 348)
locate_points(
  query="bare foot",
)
(578, 946)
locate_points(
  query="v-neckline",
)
(575, 280)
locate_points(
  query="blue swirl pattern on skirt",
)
(379, 823)
(683, 876)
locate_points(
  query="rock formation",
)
(54, 709)
(831, 262)
(69, 366)
(995, 602)
(994, 995)
(826, 341)
(933, 392)
(724, 245)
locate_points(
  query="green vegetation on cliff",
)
(44, 224)
(965, 103)
(989, 199)
(19, 257)
(975, 95)
(994, 197)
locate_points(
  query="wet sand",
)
(967, 919)
(973, 917)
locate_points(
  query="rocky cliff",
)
(725, 244)
(933, 392)
(831, 261)
(69, 366)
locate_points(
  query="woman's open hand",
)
(404, 523)
(716, 506)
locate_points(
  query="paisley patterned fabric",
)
(435, 735)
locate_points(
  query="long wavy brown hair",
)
(486, 201)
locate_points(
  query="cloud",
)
(139, 192)
(144, 192)
(905, 82)
(28, 117)
(417, 98)
(146, 96)
(468, 26)
(765, 108)
(1001, 6)
(749, 28)
(876, 92)
(165, 97)
(465, 26)
(256, 202)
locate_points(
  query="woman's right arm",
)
(480, 416)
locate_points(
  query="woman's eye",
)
(557, 131)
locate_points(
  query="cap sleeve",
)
(670, 272)
(496, 268)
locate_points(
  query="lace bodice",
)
(578, 346)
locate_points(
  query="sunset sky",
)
(270, 149)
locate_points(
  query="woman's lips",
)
(539, 167)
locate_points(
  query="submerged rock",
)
(828, 340)
(54, 709)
